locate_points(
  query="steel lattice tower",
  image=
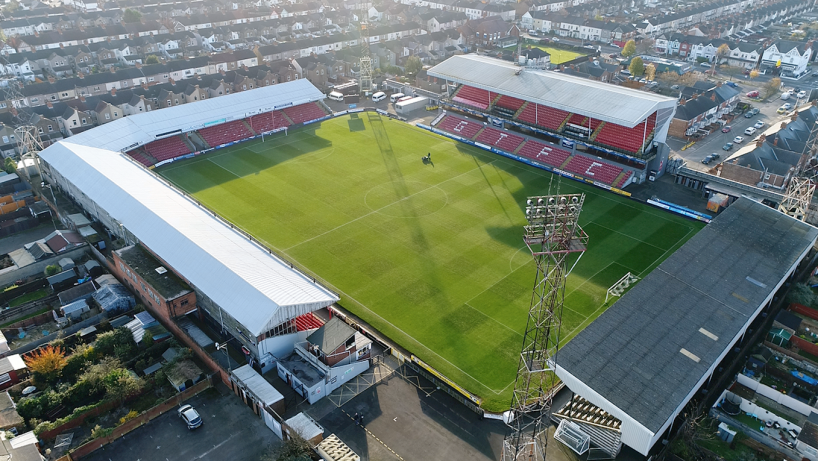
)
(798, 197)
(552, 235)
(366, 60)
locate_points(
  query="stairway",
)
(286, 117)
(249, 128)
(566, 162)
(619, 178)
(520, 110)
(189, 143)
(596, 132)
(520, 147)
(562, 125)
(197, 141)
(478, 134)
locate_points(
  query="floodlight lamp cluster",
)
(558, 207)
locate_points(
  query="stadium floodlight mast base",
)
(618, 288)
(552, 236)
(797, 198)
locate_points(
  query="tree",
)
(637, 67)
(629, 49)
(120, 384)
(722, 51)
(801, 294)
(46, 363)
(11, 6)
(689, 78)
(772, 87)
(10, 166)
(645, 46)
(413, 65)
(668, 78)
(731, 71)
(295, 448)
(131, 16)
(754, 74)
(151, 59)
(51, 269)
(650, 72)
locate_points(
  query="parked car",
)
(727, 146)
(749, 132)
(801, 94)
(707, 159)
(752, 94)
(715, 156)
(737, 140)
(815, 74)
(590, 47)
(190, 416)
(758, 124)
(726, 129)
(748, 114)
(733, 84)
(754, 111)
(674, 87)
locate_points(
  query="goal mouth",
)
(620, 287)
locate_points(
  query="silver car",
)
(190, 416)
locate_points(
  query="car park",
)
(749, 132)
(737, 140)
(752, 94)
(758, 124)
(727, 146)
(726, 129)
(190, 416)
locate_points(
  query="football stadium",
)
(270, 206)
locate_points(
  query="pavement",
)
(231, 431)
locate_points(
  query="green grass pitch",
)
(430, 255)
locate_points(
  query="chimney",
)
(718, 84)
(82, 98)
(682, 101)
(759, 142)
(51, 79)
(138, 65)
(775, 141)
(783, 125)
(794, 116)
(145, 85)
(62, 46)
(113, 91)
(49, 105)
(713, 96)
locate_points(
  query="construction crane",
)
(553, 235)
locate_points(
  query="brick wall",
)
(804, 310)
(804, 345)
(677, 128)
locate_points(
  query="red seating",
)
(460, 127)
(544, 153)
(471, 96)
(167, 148)
(577, 119)
(629, 139)
(546, 117)
(225, 133)
(305, 112)
(269, 121)
(624, 179)
(593, 169)
(507, 102)
(500, 139)
(140, 157)
(308, 321)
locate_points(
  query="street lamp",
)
(223, 347)
(54, 202)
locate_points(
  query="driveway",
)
(231, 431)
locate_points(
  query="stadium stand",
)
(167, 148)
(505, 141)
(625, 177)
(308, 321)
(593, 169)
(460, 127)
(269, 121)
(629, 139)
(577, 119)
(507, 102)
(473, 97)
(304, 112)
(544, 153)
(225, 133)
(141, 157)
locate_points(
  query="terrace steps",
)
(520, 111)
(478, 134)
(249, 128)
(596, 132)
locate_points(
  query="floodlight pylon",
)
(553, 235)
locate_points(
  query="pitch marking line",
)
(495, 320)
(631, 237)
(381, 208)
(224, 168)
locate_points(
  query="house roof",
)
(785, 46)
(331, 335)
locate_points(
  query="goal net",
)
(619, 288)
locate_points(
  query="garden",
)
(91, 384)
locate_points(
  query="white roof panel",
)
(257, 385)
(603, 101)
(128, 132)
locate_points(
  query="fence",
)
(804, 310)
(774, 395)
(144, 418)
(64, 332)
(22, 289)
(40, 319)
(804, 345)
(10, 276)
(26, 309)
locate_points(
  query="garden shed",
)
(12, 369)
(779, 336)
(93, 268)
(82, 291)
(306, 427)
(788, 321)
(114, 297)
(66, 263)
(184, 374)
(75, 310)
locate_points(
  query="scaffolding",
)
(797, 198)
(552, 236)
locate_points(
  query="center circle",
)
(406, 199)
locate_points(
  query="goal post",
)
(619, 288)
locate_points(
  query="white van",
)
(396, 97)
(336, 96)
(379, 96)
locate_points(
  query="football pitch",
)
(429, 254)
